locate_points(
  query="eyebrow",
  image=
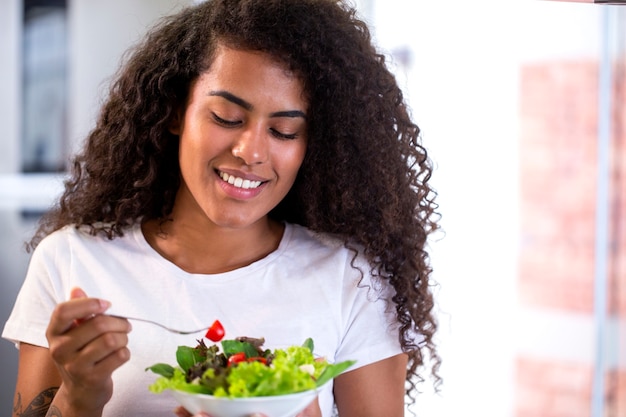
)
(248, 106)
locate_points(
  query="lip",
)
(240, 174)
(237, 192)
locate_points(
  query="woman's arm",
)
(73, 377)
(373, 390)
(37, 382)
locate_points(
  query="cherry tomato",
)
(258, 359)
(236, 358)
(215, 332)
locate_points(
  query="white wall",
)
(462, 84)
(10, 40)
(100, 32)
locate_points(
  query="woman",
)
(254, 163)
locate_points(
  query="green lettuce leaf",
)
(290, 370)
(231, 347)
(176, 382)
(187, 356)
(330, 371)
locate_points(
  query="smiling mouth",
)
(239, 182)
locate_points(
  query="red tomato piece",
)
(236, 358)
(258, 359)
(215, 332)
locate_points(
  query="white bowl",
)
(272, 406)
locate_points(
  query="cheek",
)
(193, 156)
(202, 142)
(187, 152)
(291, 161)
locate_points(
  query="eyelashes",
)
(224, 122)
(236, 123)
(281, 135)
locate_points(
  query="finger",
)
(92, 340)
(94, 362)
(98, 325)
(312, 410)
(77, 292)
(92, 374)
(103, 345)
(69, 314)
(181, 412)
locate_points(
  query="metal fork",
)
(169, 329)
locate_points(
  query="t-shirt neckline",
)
(140, 239)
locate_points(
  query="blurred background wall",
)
(509, 97)
(57, 58)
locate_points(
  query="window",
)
(44, 82)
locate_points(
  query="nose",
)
(252, 146)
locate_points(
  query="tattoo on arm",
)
(39, 406)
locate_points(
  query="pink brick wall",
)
(558, 182)
(552, 389)
(616, 387)
(559, 126)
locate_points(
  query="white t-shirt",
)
(306, 288)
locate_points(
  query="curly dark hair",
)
(365, 175)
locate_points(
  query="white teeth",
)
(239, 182)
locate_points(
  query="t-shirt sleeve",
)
(41, 291)
(371, 329)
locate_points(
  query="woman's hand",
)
(181, 412)
(312, 410)
(86, 347)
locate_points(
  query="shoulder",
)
(58, 239)
(303, 236)
(72, 237)
(325, 251)
(318, 244)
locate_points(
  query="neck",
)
(210, 249)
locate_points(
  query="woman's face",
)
(242, 138)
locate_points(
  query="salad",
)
(241, 367)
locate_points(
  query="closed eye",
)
(281, 135)
(224, 122)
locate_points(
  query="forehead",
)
(252, 74)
